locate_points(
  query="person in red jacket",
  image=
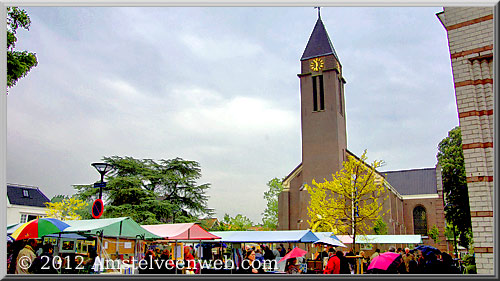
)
(333, 265)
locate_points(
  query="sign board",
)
(97, 209)
(99, 184)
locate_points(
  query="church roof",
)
(413, 182)
(319, 43)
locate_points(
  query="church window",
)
(318, 89)
(340, 96)
(419, 220)
(315, 94)
(321, 94)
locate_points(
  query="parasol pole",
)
(175, 255)
(58, 251)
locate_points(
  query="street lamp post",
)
(102, 168)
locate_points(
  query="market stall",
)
(277, 236)
(291, 238)
(116, 238)
(175, 236)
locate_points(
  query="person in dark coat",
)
(412, 264)
(146, 266)
(282, 250)
(351, 261)
(15, 247)
(448, 267)
(432, 264)
(344, 264)
(44, 264)
(167, 265)
(268, 254)
(421, 263)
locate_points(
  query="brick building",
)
(470, 40)
(415, 201)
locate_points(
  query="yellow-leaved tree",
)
(66, 209)
(351, 202)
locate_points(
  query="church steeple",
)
(323, 123)
(319, 43)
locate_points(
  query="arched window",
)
(419, 220)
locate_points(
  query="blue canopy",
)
(283, 236)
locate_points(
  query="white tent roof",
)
(382, 239)
(326, 239)
(285, 236)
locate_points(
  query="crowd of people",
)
(41, 258)
(33, 257)
(252, 262)
(409, 262)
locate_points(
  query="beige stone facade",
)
(470, 38)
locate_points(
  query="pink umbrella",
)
(294, 253)
(383, 261)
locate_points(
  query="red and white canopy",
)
(180, 231)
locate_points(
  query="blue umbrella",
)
(426, 250)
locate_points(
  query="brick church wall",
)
(470, 38)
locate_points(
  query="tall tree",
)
(451, 159)
(238, 223)
(351, 201)
(19, 63)
(151, 191)
(270, 214)
(59, 198)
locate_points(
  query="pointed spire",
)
(319, 42)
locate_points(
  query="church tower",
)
(324, 141)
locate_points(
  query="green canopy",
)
(123, 227)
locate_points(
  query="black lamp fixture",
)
(102, 168)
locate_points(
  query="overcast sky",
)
(220, 86)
